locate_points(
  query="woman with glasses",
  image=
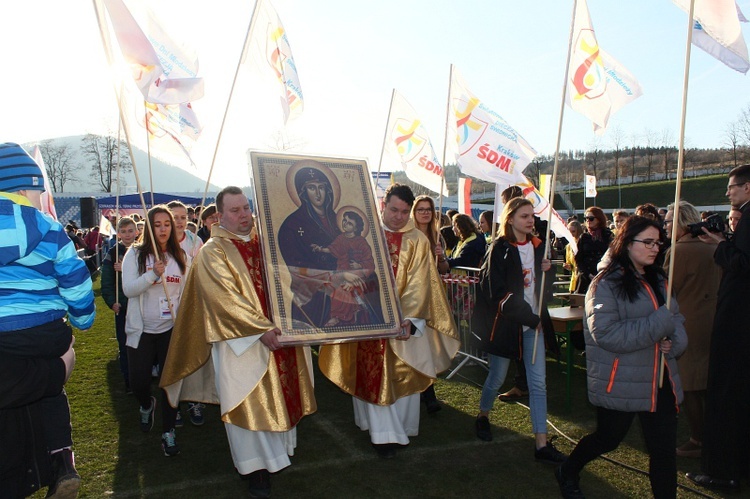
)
(592, 245)
(628, 329)
(426, 219)
(695, 283)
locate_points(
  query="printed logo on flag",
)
(410, 138)
(589, 79)
(278, 56)
(469, 128)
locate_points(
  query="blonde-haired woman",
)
(506, 319)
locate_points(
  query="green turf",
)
(334, 458)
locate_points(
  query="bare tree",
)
(732, 134)
(617, 136)
(743, 125)
(101, 153)
(667, 149)
(593, 156)
(651, 141)
(58, 161)
(281, 141)
(634, 138)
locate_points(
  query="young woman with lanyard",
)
(151, 313)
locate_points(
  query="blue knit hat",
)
(18, 171)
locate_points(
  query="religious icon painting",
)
(326, 261)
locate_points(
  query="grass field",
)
(333, 458)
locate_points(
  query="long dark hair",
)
(620, 258)
(146, 247)
(432, 225)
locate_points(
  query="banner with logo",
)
(407, 140)
(484, 144)
(590, 186)
(598, 85)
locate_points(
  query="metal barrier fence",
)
(461, 289)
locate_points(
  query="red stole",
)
(284, 358)
(371, 353)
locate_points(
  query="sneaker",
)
(548, 454)
(569, 487)
(169, 444)
(147, 416)
(65, 479)
(178, 422)
(196, 413)
(484, 431)
(692, 448)
(259, 483)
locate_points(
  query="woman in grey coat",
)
(627, 329)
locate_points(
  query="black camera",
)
(714, 223)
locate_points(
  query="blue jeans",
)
(536, 375)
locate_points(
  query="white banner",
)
(598, 85)
(590, 186)
(407, 140)
(484, 144)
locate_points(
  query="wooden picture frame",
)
(326, 260)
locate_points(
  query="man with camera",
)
(726, 443)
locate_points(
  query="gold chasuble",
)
(382, 371)
(224, 299)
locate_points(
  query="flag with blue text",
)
(598, 85)
(407, 141)
(717, 30)
(484, 145)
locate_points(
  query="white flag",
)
(164, 71)
(484, 144)
(717, 30)
(407, 140)
(268, 46)
(590, 186)
(541, 209)
(598, 85)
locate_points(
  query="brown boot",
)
(65, 478)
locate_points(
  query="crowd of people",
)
(647, 356)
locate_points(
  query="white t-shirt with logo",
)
(155, 309)
(526, 251)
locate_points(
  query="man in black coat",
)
(726, 441)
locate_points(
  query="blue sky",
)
(351, 54)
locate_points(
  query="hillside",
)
(166, 177)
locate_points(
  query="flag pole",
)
(584, 192)
(385, 137)
(249, 33)
(445, 141)
(108, 53)
(553, 180)
(148, 151)
(680, 164)
(117, 210)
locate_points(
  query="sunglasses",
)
(589, 219)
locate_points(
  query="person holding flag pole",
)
(653, 333)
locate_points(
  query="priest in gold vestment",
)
(225, 350)
(386, 376)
